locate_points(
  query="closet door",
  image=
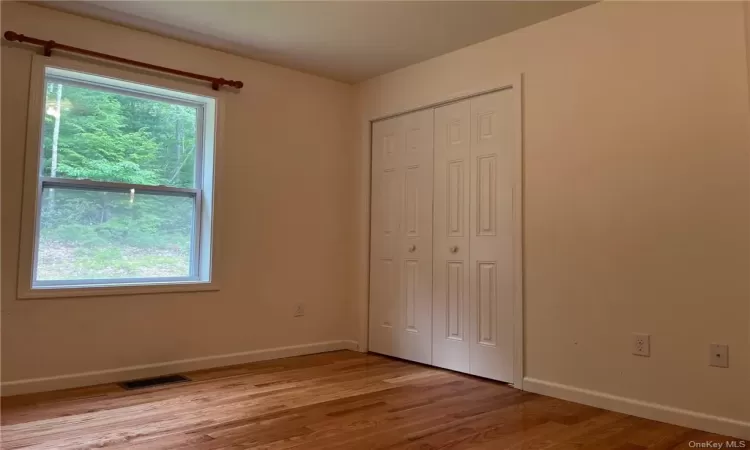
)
(401, 253)
(451, 296)
(385, 239)
(493, 128)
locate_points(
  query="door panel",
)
(491, 254)
(450, 330)
(401, 254)
(416, 247)
(411, 280)
(486, 207)
(411, 201)
(486, 303)
(456, 198)
(385, 237)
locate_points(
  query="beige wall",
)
(281, 220)
(636, 175)
(747, 36)
(636, 193)
(747, 46)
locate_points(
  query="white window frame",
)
(145, 85)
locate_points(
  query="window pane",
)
(94, 235)
(104, 136)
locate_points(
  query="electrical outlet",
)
(719, 355)
(299, 311)
(641, 344)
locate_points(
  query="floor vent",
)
(157, 381)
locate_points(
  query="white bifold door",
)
(473, 282)
(401, 240)
(442, 255)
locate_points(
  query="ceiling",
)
(348, 41)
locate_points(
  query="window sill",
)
(104, 291)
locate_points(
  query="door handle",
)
(454, 249)
(412, 248)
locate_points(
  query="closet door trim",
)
(514, 83)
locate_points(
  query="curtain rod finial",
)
(12, 36)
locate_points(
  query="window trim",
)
(204, 273)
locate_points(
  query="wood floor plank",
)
(336, 400)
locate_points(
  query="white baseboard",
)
(73, 380)
(653, 411)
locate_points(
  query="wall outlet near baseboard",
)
(299, 311)
(719, 355)
(641, 344)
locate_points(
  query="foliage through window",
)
(121, 181)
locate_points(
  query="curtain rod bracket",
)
(48, 46)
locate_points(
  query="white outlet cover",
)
(719, 355)
(299, 311)
(641, 344)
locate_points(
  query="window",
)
(124, 182)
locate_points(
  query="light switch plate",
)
(719, 355)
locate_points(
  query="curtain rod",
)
(50, 45)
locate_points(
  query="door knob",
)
(412, 248)
(454, 249)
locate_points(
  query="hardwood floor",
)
(338, 400)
